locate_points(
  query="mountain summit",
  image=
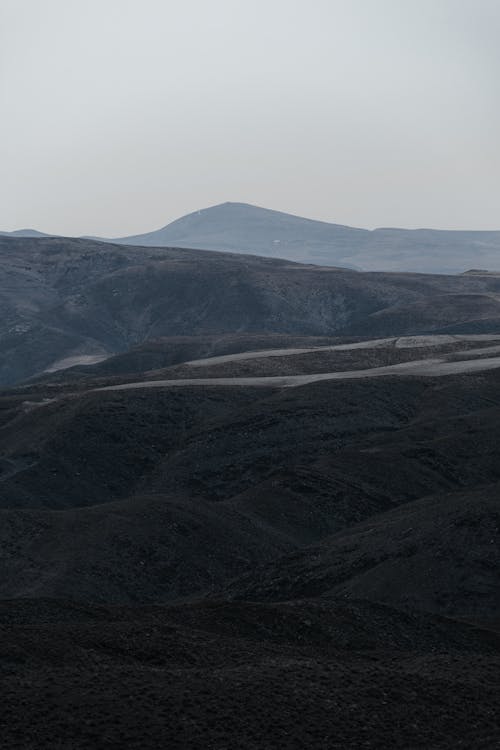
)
(243, 228)
(247, 229)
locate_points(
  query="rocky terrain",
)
(284, 534)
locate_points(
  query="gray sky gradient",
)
(118, 116)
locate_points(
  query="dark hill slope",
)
(437, 554)
(62, 300)
(218, 442)
(251, 567)
(346, 675)
(133, 496)
(96, 448)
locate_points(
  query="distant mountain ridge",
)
(248, 229)
(25, 233)
(243, 228)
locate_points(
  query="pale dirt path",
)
(80, 359)
(400, 342)
(423, 367)
(477, 352)
(264, 353)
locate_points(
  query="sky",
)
(119, 116)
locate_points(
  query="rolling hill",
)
(69, 301)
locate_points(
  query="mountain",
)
(247, 229)
(24, 233)
(66, 301)
(242, 228)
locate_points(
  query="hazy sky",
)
(118, 116)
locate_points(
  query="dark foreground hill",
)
(217, 675)
(66, 302)
(242, 228)
(151, 494)
(212, 567)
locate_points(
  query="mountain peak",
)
(25, 233)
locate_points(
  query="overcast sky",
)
(118, 116)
